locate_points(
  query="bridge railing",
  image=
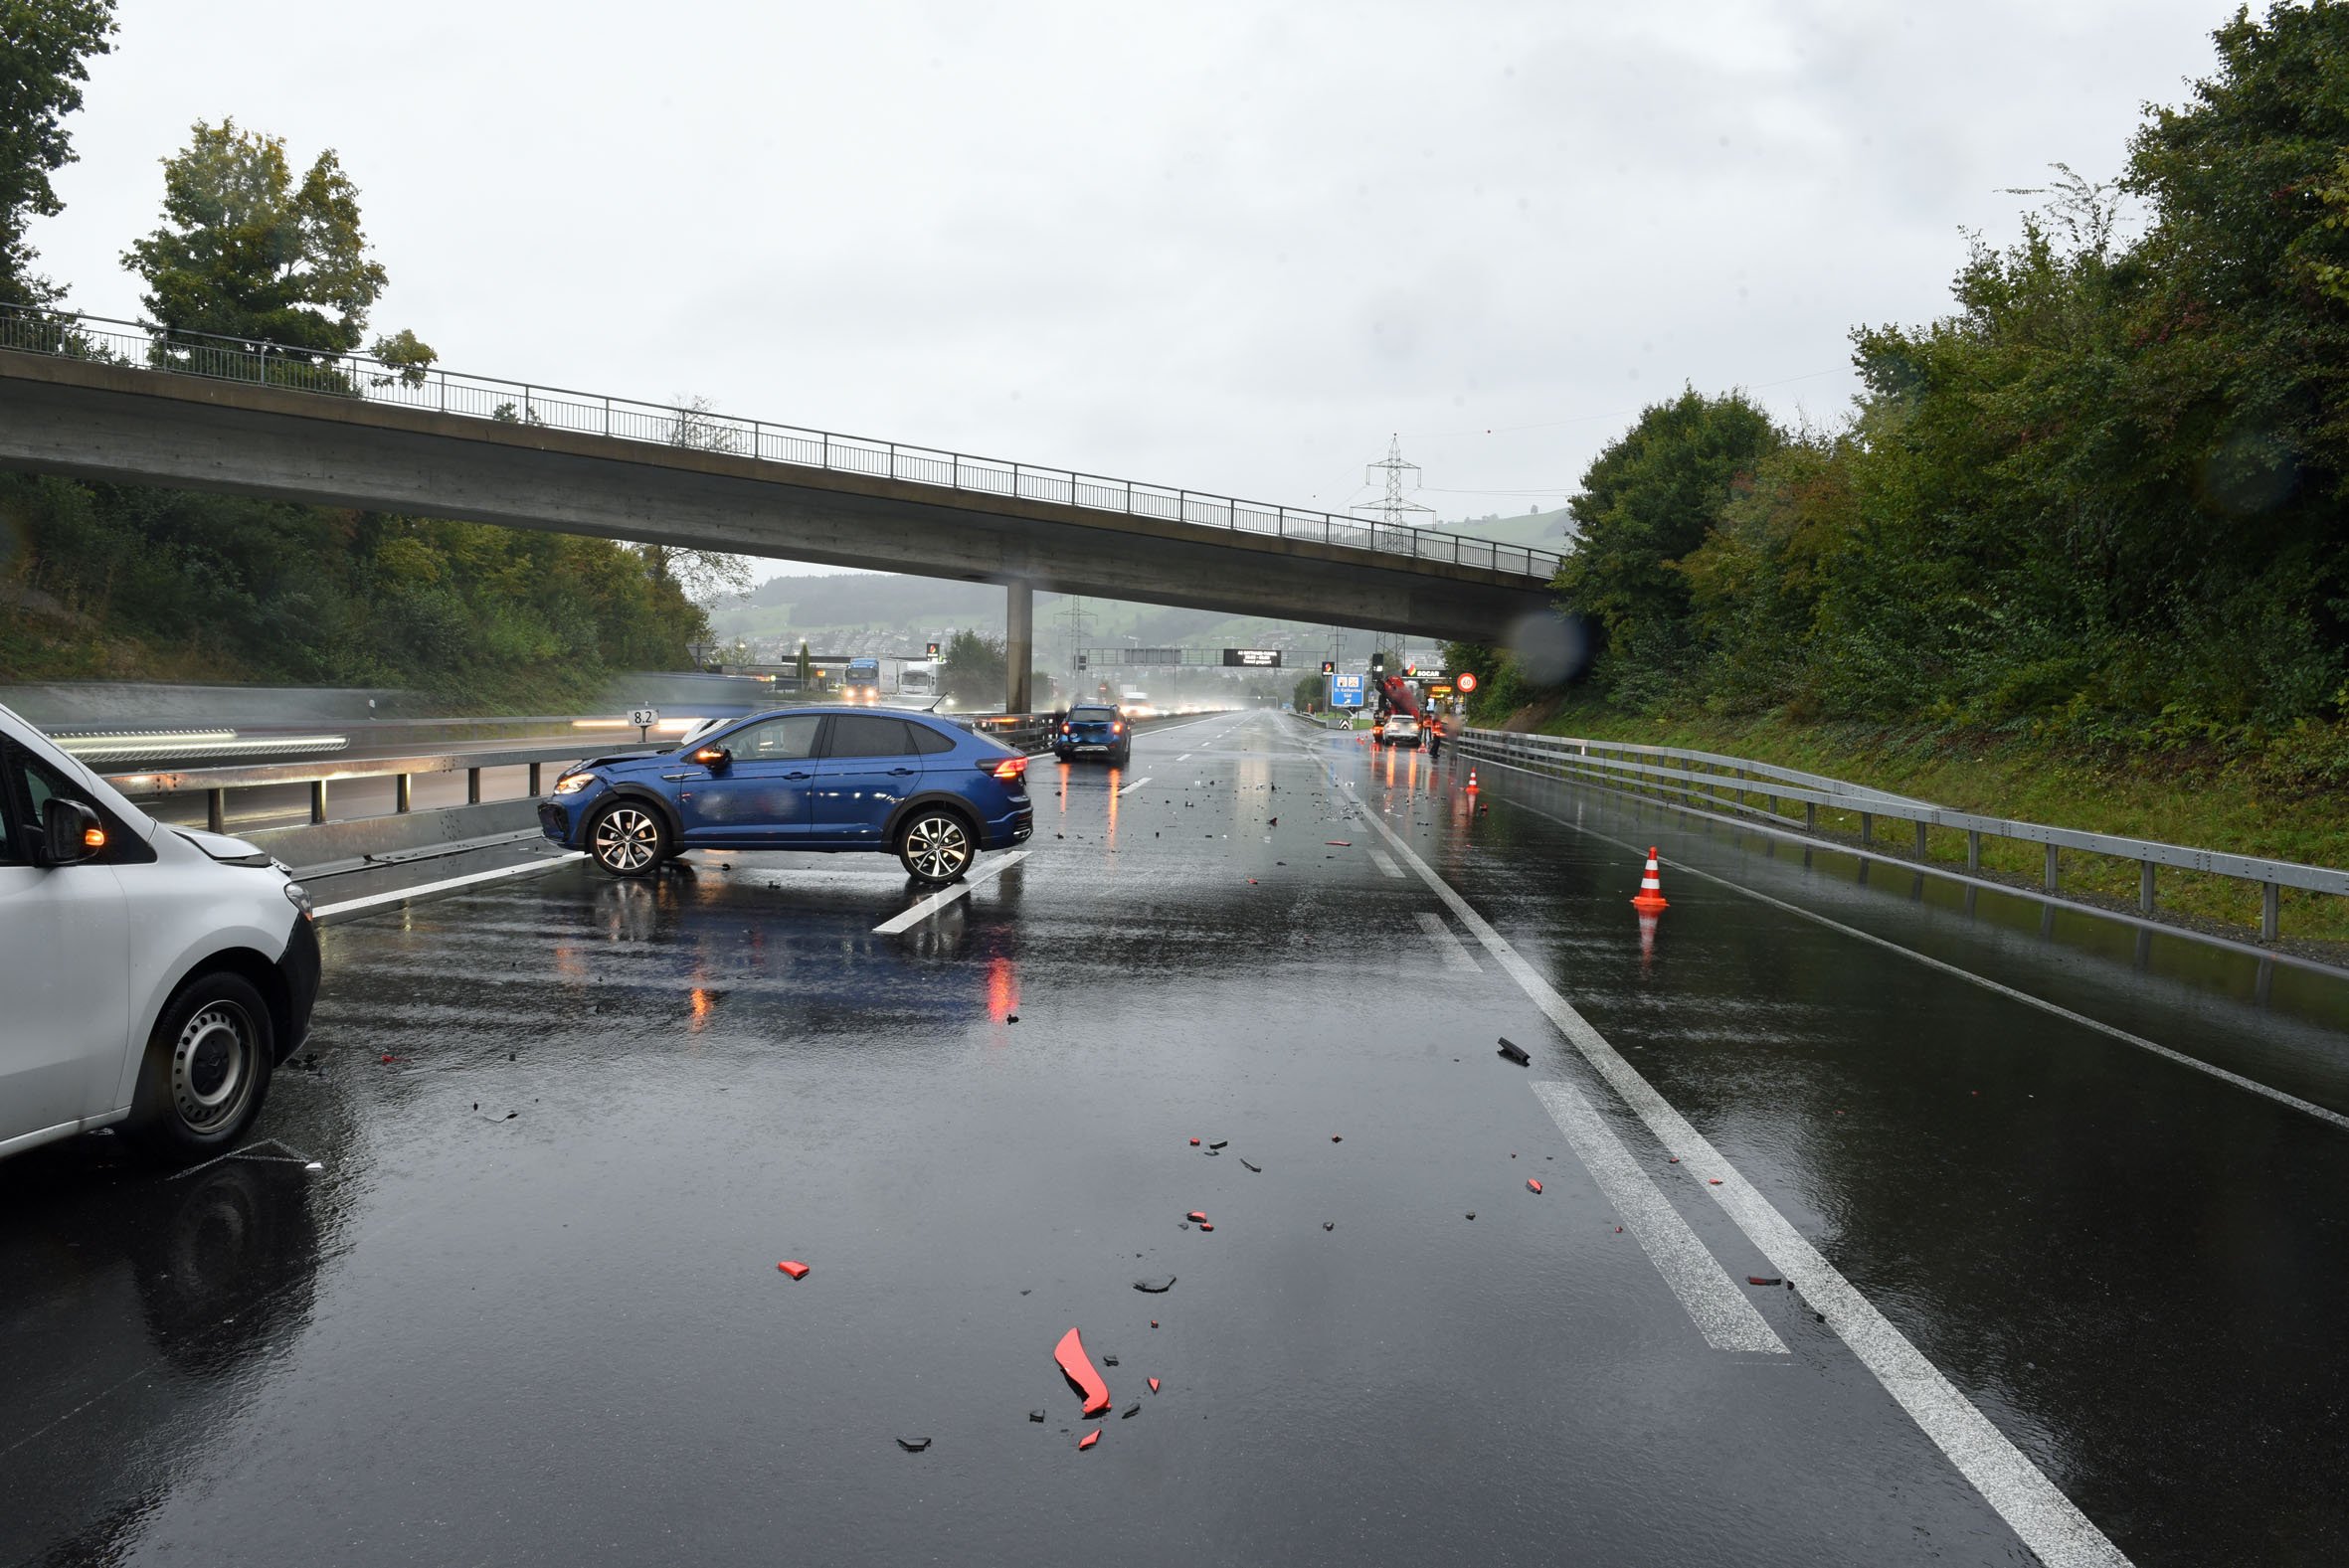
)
(143, 346)
(1743, 787)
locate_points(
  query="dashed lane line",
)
(2047, 1521)
(1722, 1313)
(940, 900)
(328, 914)
(1136, 784)
(1447, 945)
(1385, 863)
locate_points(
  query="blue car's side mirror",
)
(714, 758)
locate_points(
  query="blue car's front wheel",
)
(629, 839)
(935, 846)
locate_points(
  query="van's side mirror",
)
(69, 831)
(714, 758)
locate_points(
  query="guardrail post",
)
(2049, 882)
(1867, 827)
(473, 786)
(216, 810)
(404, 793)
(317, 801)
(1811, 815)
(1921, 841)
(1973, 850)
(2271, 911)
(534, 788)
(2144, 887)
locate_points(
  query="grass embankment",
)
(2177, 796)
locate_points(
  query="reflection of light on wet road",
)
(701, 1010)
(1002, 989)
(1116, 791)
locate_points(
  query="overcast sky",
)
(1224, 247)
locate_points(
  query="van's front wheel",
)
(206, 1072)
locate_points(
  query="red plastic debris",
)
(1336, 1139)
(798, 1271)
(1195, 1142)
(1763, 1279)
(389, 1060)
(1712, 1181)
(1153, 1382)
(1342, 843)
(1674, 1160)
(1203, 1225)
(1533, 1186)
(1089, 1438)
(1251, 882)
(1078, 1367)
(1618, 1230)
(1154, 1323)
(1194, 1216)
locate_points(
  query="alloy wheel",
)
(937, 848)
(626, 839)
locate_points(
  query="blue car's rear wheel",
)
(935, 846)
(629, 839)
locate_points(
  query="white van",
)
(150, 976)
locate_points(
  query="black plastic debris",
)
(1222, 1142)
(1472, 1214)
(1329, 1225)
(1258, 1169)
(1514, 1051)
(1182, 1225)
(1131, 1410)
(912, 1445)
(1036, 1416)
(1213, 1153)
(1011, 1017)
(1109, 1360)
(1156, 1284)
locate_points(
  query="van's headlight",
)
(298, 896)
(572, 783)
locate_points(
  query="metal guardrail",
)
(138, 345)
(1727, 782)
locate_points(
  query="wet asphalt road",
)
(550, 1329)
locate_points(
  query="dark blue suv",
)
(928, 791)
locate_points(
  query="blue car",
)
(1095, 729)
(930, 793)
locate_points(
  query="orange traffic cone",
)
(1472, 778)
(1651, 891)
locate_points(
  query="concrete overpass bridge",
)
(123, 403)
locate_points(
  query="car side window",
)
(869, 735)
(929, 742)
(14, 850)
(788, 739)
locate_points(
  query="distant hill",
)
(1534, 530)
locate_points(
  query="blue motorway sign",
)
(1346, 691)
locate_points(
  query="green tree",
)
(45, 46)
(1647, 501)
(973, 669)
(244, 251)
(806, 664)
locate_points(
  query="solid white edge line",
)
(2052, 1009)
(328, 913)
(1722, 1310)
(2048, 1522)
(937, 901)
(1447, 945)
(1386, 862)
(1136, 784)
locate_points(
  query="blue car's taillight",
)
(1010, 769)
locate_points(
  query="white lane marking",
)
(2053, 1009)
(1136, 784)
(1385, 863)
(1722, 1310)
(2047, 1521)
(940, 900)
(1185, 758)
(359, 906)
(1447, 945)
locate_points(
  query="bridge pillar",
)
(1019, 638)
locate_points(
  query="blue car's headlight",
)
(572, 783)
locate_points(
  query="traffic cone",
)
(1472, 778)
(1651, 891)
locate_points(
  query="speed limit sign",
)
(1465, 682)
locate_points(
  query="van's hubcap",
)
(937, 847)
(627, 839)
(212, 1067)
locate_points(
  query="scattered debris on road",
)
(1515, 1053)
(1078, 1368)
(1156, 1284)
(1088, 1439)
(1533, 1186)
(912, 1445)
(1257, 1170)
(798, 1271)
(1763, 1279)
